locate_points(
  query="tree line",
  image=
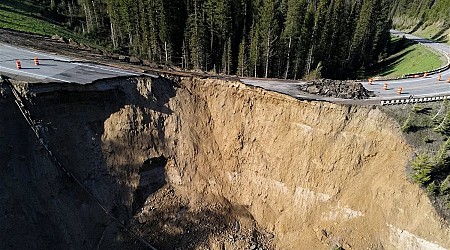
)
(418, 12)
(259, 38)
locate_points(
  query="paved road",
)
(418, 87)
(62, 69)
(53, 68)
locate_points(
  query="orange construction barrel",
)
(385, 85)
(399, 90)
(18, 64)
(36, 61)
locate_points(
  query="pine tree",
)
(254, 49)
(195, 36)
(262, 38)
(292, 28)
(359, 40)
(242, 59)
(268, 30)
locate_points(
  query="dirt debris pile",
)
(199, 163)
(348, 89)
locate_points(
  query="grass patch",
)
(435, 32)
(411, 59)
(23, 16)
(438, 31)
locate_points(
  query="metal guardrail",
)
(434, 71)
(419, 74)
(414, 100)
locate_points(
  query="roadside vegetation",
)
(32, 17)
(282, 39)
(439, 32)
(24, 16)
(427, 128)
(424, 18)
(407, 57)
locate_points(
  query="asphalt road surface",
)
(53, 68)
(417, 87)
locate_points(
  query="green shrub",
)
(427, 139)
(418, 109)
(432, 188)
(443, 124)
(445, 185)
(441, 160)
(422, 167)
(314, 74)
(407, 126)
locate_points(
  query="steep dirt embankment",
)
(240, 166)
(304, 167)
(40, 207)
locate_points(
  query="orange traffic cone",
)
(439, 77)
(425, 74)
(385, 86)
(18, 65)
(448, 80)
(36, 61)
(370, 81)
(399, 90)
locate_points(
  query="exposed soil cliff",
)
(197, 163)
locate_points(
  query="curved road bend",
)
(418, 87)
(53, 68)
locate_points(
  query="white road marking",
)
(37, 53)
(105, 69)
(33, 74)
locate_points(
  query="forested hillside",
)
(424, 10)
(262, 38)
(426, 18)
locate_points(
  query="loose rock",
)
(347, 89)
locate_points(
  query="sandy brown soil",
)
(210, 164)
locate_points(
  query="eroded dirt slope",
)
(198, 163)
(40, 207)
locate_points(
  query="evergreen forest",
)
(423, 10)
(289, 39)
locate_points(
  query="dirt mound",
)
(336, 88)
